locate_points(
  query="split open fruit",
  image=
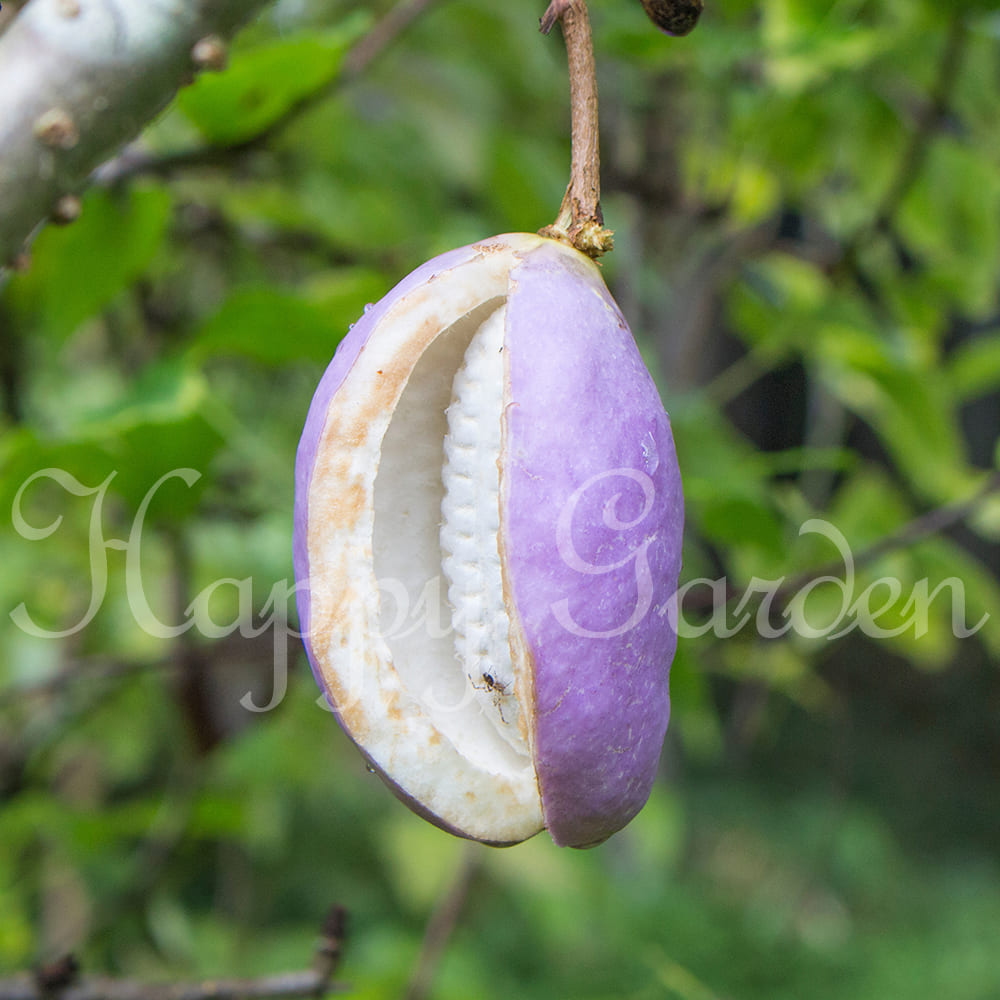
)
(488, 521)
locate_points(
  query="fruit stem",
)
(580, 221)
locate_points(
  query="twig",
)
(442, 924)
(135, 160)
(580, 221)
(915, 154)
(60, 980)
(381, 36)
(90, 670)
(931, 523)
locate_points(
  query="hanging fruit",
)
(488, 522)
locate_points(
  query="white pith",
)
(381, 619)
(470, 529)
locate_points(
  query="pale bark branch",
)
(78, 79)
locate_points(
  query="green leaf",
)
(725, 486)
(263, 83)
(911, 408)
(783, 304)
(274, 327)
(78, 270)
(974, 370)
(951, 221)
(866, 508)
(693, 713)
(737, 521)
(24, 454)
(165, 426)
(163, 432)
(750, 189)
(805, 49)
(971, 599)
(526, 182)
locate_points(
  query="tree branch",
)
(915, 154)
(382, 35)
(91, 671)
(78, 79)
(60, 980)
(924, 526)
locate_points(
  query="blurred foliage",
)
(806, 196)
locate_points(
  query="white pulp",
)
(470, 527)
(435, 545)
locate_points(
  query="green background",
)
(806, 199)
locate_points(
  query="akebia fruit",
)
(488, 525)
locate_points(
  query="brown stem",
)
(580, 221)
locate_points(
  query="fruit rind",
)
(584, 424)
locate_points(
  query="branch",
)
(78, 79)
(932, 523)
(924, 526)
(915, 153)
(90, 671)
(382, 35)
(60, 980)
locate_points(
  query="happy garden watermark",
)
(772, 608)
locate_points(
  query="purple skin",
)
(582, 405)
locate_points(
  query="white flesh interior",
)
(454, 614)
(381, 622)
(470, 529)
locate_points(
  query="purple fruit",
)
(488, 521)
